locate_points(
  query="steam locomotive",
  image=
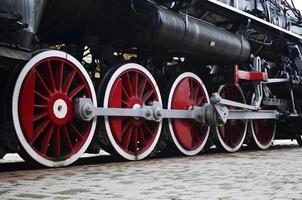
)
(141, 77)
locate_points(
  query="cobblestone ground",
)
(272, 174)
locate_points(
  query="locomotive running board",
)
(208, 114)
(229, 11)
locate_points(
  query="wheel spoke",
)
(126, 103)
(39, 130)
(142, 137)
(128, 84)
(236, 128)
(135, 84)
(142, 87)
(50, 76)
(67, 138)
(261, 135)
(125, 128)
(76, 132)
(196, 97)
(41, 96)
(147, 95)
(42, 83)
(134, 139)
(126, 137)
(46, 140)
(147, 129)
(68, 81)
(76, 91)
(59, 76)
(40, 106)
(40, 116)
(262, 138)
(57, 141)
(125, 93)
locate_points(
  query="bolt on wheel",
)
(131, 86)
(42, 109)
(188, 91)
(230, 136)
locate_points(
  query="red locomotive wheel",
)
(262, 132)
(131, 86)
(186, 92)
(231, 135)
(43, 109)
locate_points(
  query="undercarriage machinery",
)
(141, 77)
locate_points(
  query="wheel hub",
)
(136, 103)
(135, 107)
(60, 109)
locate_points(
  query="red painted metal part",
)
(131, 89)
(233, 131)
(249, 76)
(52, 137)
(264, 130)
(188, 93)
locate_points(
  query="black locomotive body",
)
(142, 77)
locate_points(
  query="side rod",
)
(207, 114)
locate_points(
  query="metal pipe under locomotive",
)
(142, 77)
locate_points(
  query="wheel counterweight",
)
(43, 109)
(230, 136)
(186, 92)
(131, 86)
